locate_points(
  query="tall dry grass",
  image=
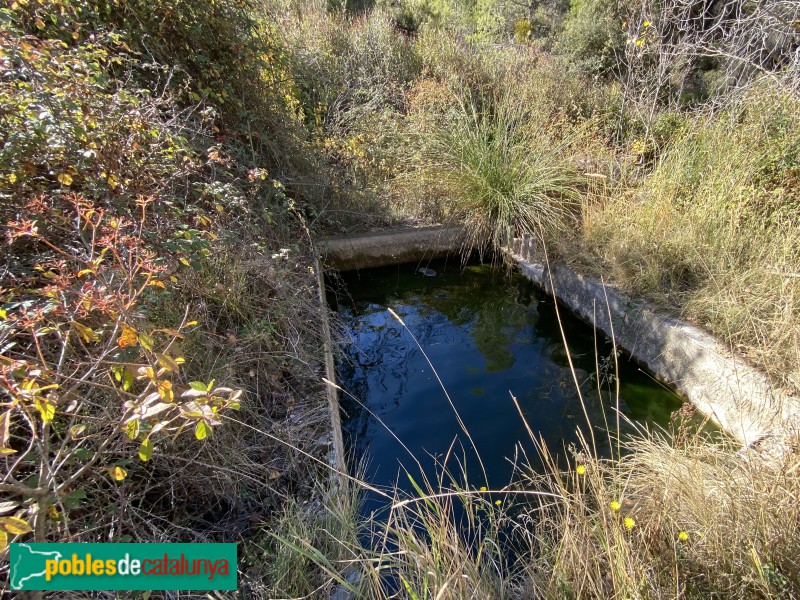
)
(714, 229)
(669, 516)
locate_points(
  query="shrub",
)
(156, 273)
(593, 36)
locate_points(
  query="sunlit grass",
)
(501, 175)
(714, 230)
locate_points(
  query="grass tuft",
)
(500, 174)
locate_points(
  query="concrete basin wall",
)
(391, 247)
(721, 384)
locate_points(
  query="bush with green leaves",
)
(156, 272)
(594, 36)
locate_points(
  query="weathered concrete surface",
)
(338, 461)
(739, 398)
(391, 247)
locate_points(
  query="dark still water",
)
(487, 334)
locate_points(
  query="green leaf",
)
(73, 499)
(192, 410)
(132, 429)
(127, 380)
(168, 362)
(146, 450)
(83, 453)
(146, 341)
(198, 385)
(85, 332)
(202, 430)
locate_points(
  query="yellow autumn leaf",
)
(202, 430)
(3, 540)
(46, 409)
(166, 361)
(146, 450)
(64, 179)
(14, 525)
(117, 473)
(129, 336)
(132, 429)
(184, 261)
(165, 390)
(85, 332)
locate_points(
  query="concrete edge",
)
(365, 251)
(722, 385)
(338, 462)
(383, 248)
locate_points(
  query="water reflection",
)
(487, 334)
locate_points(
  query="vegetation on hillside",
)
(160, 367)
(166, 166)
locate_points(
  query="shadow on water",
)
(487, 333)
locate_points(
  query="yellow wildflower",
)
(498, 502)
(581, 470)
(629, 523)
(483, 488)
(614, 505)
(638, 147)
(683, 536)
(647, 23)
